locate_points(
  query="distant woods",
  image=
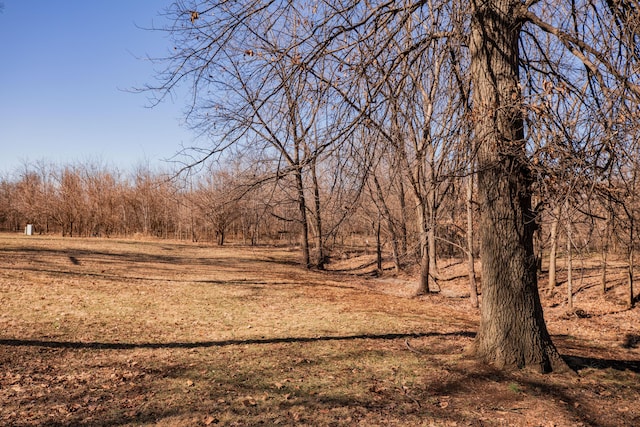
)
(89, 201)
(250, 206)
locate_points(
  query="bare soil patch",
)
(140, 332)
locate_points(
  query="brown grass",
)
(123, 332)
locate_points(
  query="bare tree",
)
(411, 83)
(216, 198)
(270, 104)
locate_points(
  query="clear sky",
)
(66, 68)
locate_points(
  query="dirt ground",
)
(104, 332)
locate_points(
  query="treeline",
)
(249, 206)
(95, 201)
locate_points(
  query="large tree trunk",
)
(512, 330)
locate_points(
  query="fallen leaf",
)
(249, 401)
(210, 420)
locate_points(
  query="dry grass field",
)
(106, 332)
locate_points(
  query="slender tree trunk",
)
(606, 239)
(395, 253)
(539, 250)
(631, 301)
(553, 252)
(512, 330)
(390, 224)
(630, 280)
(379, 245)
(318, 217)
(473, 285)
(605, 253)
(431, 237)
(403, 218)
(302, 207)
(569, 265)
(603, 271)
(423, 279)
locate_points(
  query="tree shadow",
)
(579, 363)
(354, 268)
(580, 356)
(222, 343)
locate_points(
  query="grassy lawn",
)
(145, 332)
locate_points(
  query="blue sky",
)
(65, 70)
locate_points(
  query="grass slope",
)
(123, 332)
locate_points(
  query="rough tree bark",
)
(512, 330)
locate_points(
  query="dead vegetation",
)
(125, 332)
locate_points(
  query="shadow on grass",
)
(158, 278)
(222, 343)
(77, 255)
(579, 363)
(353, 268)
